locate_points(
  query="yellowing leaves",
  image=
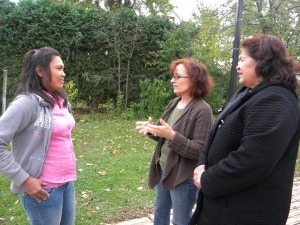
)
(116, 152)
(142, 181)
(107, 190)
(140, 188)
(102, 173)
(84, 195)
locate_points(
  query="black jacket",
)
(250, 160)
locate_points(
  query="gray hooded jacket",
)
(27, 125)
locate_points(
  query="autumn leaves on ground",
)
(112, 169)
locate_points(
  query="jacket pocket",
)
(34, 167)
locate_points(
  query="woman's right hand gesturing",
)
(141, 126)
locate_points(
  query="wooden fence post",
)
(4, 91)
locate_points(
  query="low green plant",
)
(155, 95)
(129, 113)
(116, 108)
(71, 91)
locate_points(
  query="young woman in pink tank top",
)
(38, 123)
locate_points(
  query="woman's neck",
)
(184, 101)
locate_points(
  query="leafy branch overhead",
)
(112, 54)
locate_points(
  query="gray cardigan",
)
(27, 125)
(191, 132)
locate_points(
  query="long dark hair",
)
(273, 62)
(31, 82)
(198, 72)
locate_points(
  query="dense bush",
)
(104, 52)
(115, 58)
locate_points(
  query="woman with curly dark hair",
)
(246, 170)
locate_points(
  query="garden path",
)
(293, 219)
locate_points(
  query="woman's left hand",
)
(197, 175)
(163, 130)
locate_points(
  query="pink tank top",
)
(60, 163)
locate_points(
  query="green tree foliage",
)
(142, 7)
(33, 25)
(42, 23)
(159, 6)
(214, 43)
(177, 43)
(280, 18)
(88, 63)
(105, 53)
(6, 7)
(112, 55)
(115, 4)
(155, 95)
(213, 48)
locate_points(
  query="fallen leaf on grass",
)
(85, 196)
(117, 137)
(116, 152)
(102, 173)
(140, 188)
(142, 181)
(89, 214)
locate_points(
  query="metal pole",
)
(4, 91)
(236, 47)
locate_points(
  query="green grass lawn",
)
(112, 168)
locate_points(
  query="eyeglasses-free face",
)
(246, 69)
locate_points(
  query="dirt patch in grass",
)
(129, 214)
